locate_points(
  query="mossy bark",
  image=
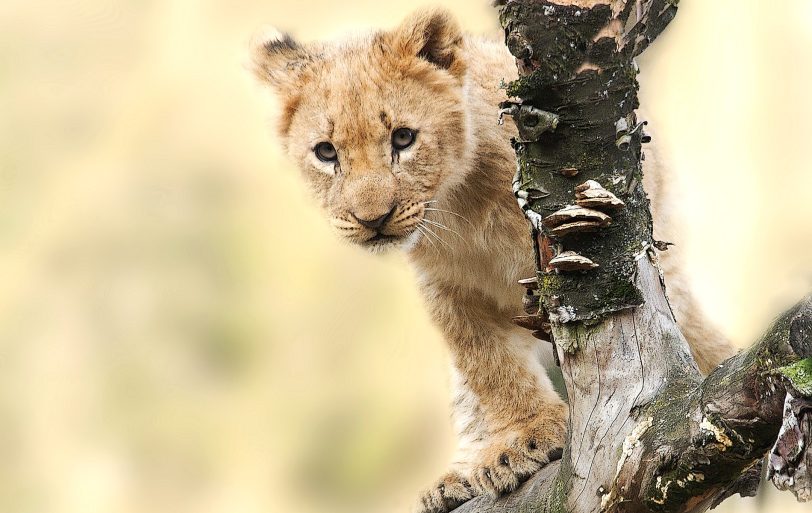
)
(647, 432)
(553, 42)
(717, 432)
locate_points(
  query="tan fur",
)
(454, 213)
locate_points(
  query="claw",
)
(448, 494)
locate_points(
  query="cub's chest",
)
(486, 272)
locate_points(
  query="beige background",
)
(179, 331)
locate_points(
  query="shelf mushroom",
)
(573, 219)
(571, 261)
(591, 194)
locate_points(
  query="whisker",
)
(431, 236)
(444, 227)
(426, 235)
(436, 236)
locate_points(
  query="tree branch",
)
(646, 432)
(691, 443)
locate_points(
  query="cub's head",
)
(377, 125)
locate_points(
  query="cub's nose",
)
(373, 223)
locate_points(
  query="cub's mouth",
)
(381, 241)
(378, 237)
(401, 228)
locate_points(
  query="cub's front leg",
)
(509, 420)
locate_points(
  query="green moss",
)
(800, 375)
(528, 86)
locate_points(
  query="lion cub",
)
(397, 135)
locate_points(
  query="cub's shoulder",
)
(489, 61)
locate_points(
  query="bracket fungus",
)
(574, 219)
(531, 322)
(591, 194)
(530, 283)
(569, 261)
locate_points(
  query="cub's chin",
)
(386, 243)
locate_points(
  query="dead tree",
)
(647, 432)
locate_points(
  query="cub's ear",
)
(278, 60)
(432, 35)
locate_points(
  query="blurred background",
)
(179, 331)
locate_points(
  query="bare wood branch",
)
(682, 445)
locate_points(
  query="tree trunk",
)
(647, 432)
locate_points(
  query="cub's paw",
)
(450, 492)
(519, 454)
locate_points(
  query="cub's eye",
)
(402, 138)
(326, 152)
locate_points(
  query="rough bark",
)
(647, 433)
